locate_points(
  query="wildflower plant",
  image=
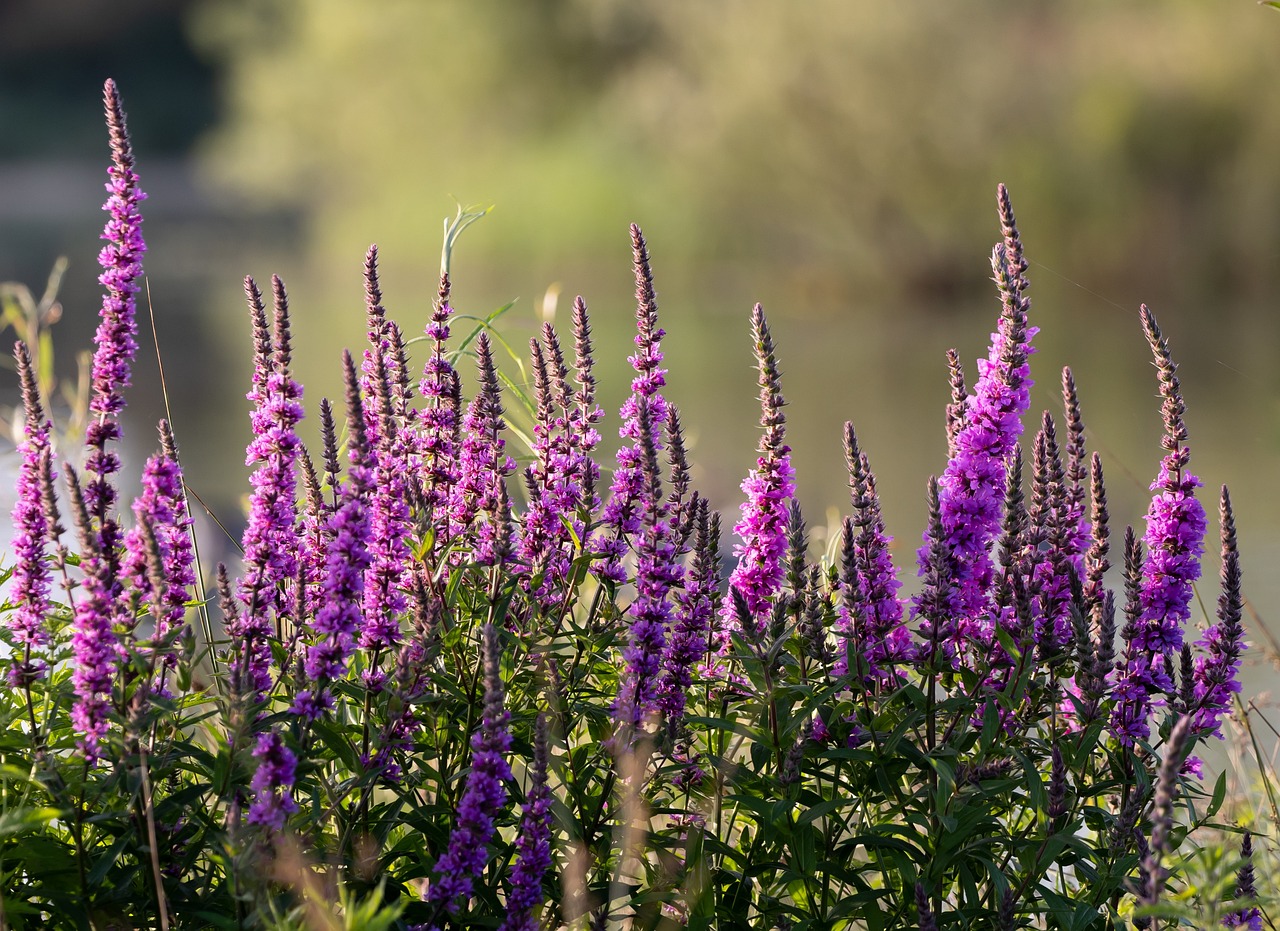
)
(452, 690)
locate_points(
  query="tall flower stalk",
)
(115, 341)
(972, 486)
(1174, 544)
(769, 489)
(486, 791)
(338, 621)
(32, 579)
(271, 539)
(622, 514)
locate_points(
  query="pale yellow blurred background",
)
(835, 160)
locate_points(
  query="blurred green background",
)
(836, 161)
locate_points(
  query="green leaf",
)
(24, 820)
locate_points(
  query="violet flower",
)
(1249, 917)
(769, 488)
(115, 340)
(1175, 519)
(657, 573)
(162, 506)
(272, 782)
(31, 525)
(971, 487)
(438, 421)
(338, 621)
(271, 542)
(483, 461)
(543, 544)
(622, 514)
(937, 603)
(885, 641)
(1217, 671)
(94, 643)
(1134, 671)
(586, 413)
(1077, 471)
(1051, 536)
(533, 843)
(1175, 543)
(390, 522)
(485, 795)
(695, 611)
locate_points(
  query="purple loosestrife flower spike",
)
(769, 488)
(1096, 562)
(543, 540)
(1162, 810)
(329, 439)
(377, 366)
(696, 606)
(657, 573)
(485, 795)
(115, 340)
(1077, 469)
(925, 914)
(272, 784)
(973, 483)
(483, 462)
(1175, 519)
(386, 583)
(586, 414)
(1250, 917)
(162, 507)
(1175, 542)
(1050, 538)
(439, 419)
(31, 525)
(888, 641)
(937, 604)
(93, 641)
(958, 403)
(271, 542)
(533, 843)
(339, 619)
(1217, 670)
(622, 517)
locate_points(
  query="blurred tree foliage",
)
(858, 141)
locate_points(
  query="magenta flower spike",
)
(1174, 544)
(622, 514)
(695, 614)
(649, 616)
(769, 488)
(485, 795)
(339, 619)
(115, 340)
(937, 604)
(1217, 669)
(387, 581)
(973, 484)
(31, 525)
(272, 782)
(1249, 918)
(533, 843)
(162, 506)
(438, 421)
(483, 461)
(94, 642)
(1175, 519)
(886, 641)
(271, 541)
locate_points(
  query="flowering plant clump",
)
(452, 689)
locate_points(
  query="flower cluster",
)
(408, 641)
